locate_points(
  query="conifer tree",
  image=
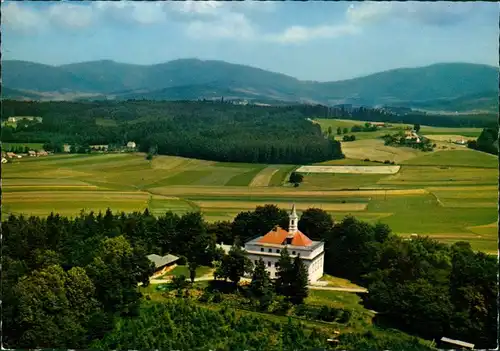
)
(298, 285)
(284, 274)
(260, 286)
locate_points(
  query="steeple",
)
(293, 224)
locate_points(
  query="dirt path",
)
(312, 287)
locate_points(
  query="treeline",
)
(486, 142)
(206, 130)
(411, 117)
(86, 270)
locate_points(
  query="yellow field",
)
(375, 150)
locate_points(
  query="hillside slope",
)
(195, 79)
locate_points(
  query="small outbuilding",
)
(131, 145)
(162, 263)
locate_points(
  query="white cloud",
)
(70, 15)
(298, 34)
(233, 25)
(430, 13)
(20, 17)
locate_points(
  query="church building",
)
(269, 246)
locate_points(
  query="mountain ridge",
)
(196, 79)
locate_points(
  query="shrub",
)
(182, 261)
(367, 160)
(345, 317)
(387, 162)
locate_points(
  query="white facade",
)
(312, 254)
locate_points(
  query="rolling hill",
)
(196, 79)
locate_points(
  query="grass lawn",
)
(338, 282)
(184, 270)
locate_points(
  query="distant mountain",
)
(479, 102)
(197, 79)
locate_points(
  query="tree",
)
(234, 265)
(116, 271)
(339, 131)
(260, 286)
(54, 308)
(192, 265)
(296, 178)
(284, 273)
(316, 223)
(345, 131)
(298, 284)
(250, 224)
(330, 130)
(416, 128)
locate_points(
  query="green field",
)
(447, 194)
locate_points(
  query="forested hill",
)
(196, 79)
(204, 130)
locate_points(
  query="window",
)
(293, 252)
(256, 261)
(270, 250)
(278, 251)
(269, 263)
(276, 264)
(262, 249)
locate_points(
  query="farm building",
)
(11, 155)
(4, 160)
(31, 153)
(42, 153)
(131, 145)
(269, 246)
(99, 147)
(162, 263)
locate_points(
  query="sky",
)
(313, 40)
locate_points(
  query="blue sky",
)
(313, 40)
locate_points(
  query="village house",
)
(99, 147)
(42, 153)
(4, 160)
(31, 153)
(269, 246)
(162, 263)
(131, 145)
(11, 155)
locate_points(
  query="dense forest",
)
(206, 130)
(72, 282)
(487, 141)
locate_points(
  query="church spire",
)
(293, 224)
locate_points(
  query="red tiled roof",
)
(278, 235)
(275, 236)
(299, 239)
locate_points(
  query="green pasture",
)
(450, 194)
(184, 270)
(461, 158)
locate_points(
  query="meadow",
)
(447, 194)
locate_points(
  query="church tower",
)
(293, 224)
